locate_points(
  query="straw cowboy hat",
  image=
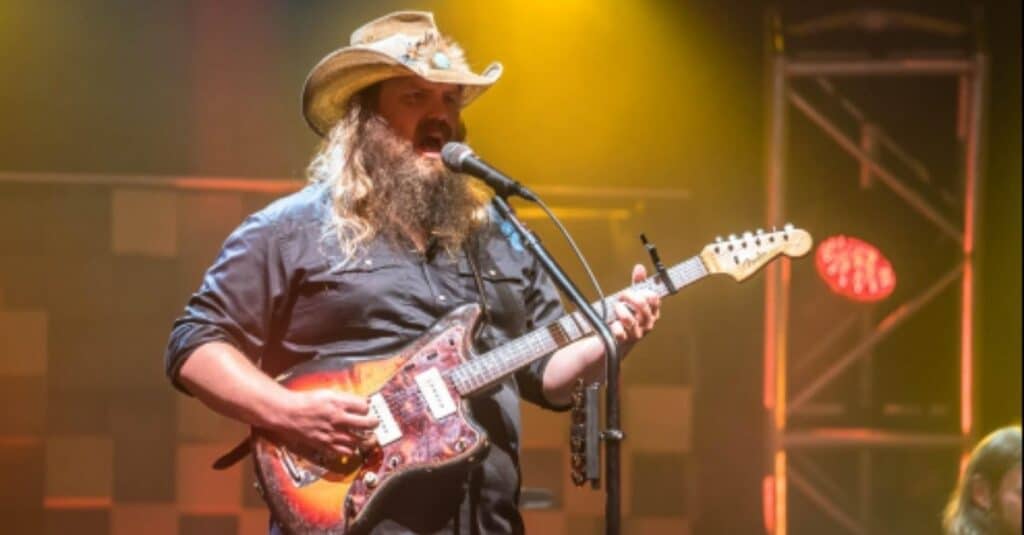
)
(398, 44)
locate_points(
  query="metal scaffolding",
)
(786, 467)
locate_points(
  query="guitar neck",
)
(491, 367)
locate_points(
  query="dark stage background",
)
(110, 108)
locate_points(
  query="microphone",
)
(460, 158)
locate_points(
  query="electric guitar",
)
(419, 395)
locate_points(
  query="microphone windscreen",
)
(453, 153)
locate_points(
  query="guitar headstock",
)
(741, 256)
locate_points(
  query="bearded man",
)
(382, 243)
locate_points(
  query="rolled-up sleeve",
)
(236, 300)
(543, 307)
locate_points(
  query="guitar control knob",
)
(393, 462)
(370, 479)
(460, 445)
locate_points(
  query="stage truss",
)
(784, 445)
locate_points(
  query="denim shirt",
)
(282, 292)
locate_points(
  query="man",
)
(987, 498)
(382, 243)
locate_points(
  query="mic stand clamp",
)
(612, 435)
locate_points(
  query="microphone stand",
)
(612, 435)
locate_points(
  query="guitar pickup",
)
(435, 392)
(387, 431)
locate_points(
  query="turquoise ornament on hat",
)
(440, 61)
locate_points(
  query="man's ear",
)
(981, 495)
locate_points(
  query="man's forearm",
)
(583, 358)
(226, 381)
(635, 314)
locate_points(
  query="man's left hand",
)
(637, 311)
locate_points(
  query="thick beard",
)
(415, 190)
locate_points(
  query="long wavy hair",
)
(990, 460)
(364, 184)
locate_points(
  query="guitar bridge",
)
(301, 471)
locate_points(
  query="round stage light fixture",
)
(855, 269)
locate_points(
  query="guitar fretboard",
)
(493, 366)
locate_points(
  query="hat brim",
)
(345, 72)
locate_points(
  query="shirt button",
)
(441, 298)
(368, 262)
(491, 272)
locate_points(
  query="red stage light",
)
(855, 269)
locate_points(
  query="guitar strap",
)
(471, 257)
(474, 477)
(515, 312)
(236, 454)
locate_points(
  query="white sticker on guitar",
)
(387, 431)
(435, 391)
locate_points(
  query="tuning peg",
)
(760, 232)
(774, 230)
(788, 227)
(747, 235)
(718, 239)
(732, 237)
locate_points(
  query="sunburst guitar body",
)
(425, 427)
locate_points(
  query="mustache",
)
(434, 126)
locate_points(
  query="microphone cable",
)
(579, 255)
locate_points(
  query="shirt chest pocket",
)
(360, 300)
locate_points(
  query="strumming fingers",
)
(356, 421)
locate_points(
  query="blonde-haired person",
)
(987, 497)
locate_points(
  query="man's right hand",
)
(328, 420)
